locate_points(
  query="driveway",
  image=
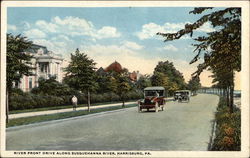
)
(182, 126)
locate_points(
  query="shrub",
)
(228, 130)
(30, 100)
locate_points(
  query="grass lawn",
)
(42, 118)
(60, 107)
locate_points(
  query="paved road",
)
(182, 126)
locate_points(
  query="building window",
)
(30, 83)
(16, 84)
(43, 67)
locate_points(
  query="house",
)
(116, 66)
(46, 64)
(134, 76)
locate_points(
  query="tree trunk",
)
(224, 92)
(88, 101)
(227, 93)
(231, 99)
(232, 92)
(123, 103)
(7, 106)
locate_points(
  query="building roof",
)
(101, 71)
(115, 66)
(133, 76)
(155, 88)
(34, 49)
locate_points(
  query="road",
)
(182, 126)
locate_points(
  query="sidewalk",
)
(29, 114)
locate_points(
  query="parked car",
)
(182, 95)
(154, 98)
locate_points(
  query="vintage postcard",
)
(125, 79)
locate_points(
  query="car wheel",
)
(162, 108)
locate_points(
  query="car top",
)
(182, 91)
(154, 88)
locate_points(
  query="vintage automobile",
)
(182, 95)
(154, 98)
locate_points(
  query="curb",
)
(212, 137)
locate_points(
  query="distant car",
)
(182, 95)
(154, 98)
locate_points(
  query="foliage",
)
(29, 101)
(143, 82)
(220, 48)
(32, 101)
(106, 83)
(123, 85)
(159, 79)
(194, 84)
(18, 62)
(16, 92)
(166, 75)
(80, 73)
(55, 88)
(228, 130)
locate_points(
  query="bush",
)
(228, 130)
(23, 101)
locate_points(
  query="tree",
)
(221, 49)
(121, 83)
(194, 84)
(175, 79)
(80, 74)
(159, 79)
(18, 63)
(123, 87)
(55, 88)
(143, 82)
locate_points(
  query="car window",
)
(150, 93)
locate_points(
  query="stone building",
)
(46, 64)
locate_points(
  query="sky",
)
(107, 34)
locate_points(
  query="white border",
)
(244, 77)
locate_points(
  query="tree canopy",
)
(194, 84)
(18, 62)
(220, 48)
(80, 74)
(55, 88)
(223, 43)
(165, 74)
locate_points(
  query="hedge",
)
(30, 101)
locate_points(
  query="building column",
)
(49, 69)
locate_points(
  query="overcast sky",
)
(123, 34)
